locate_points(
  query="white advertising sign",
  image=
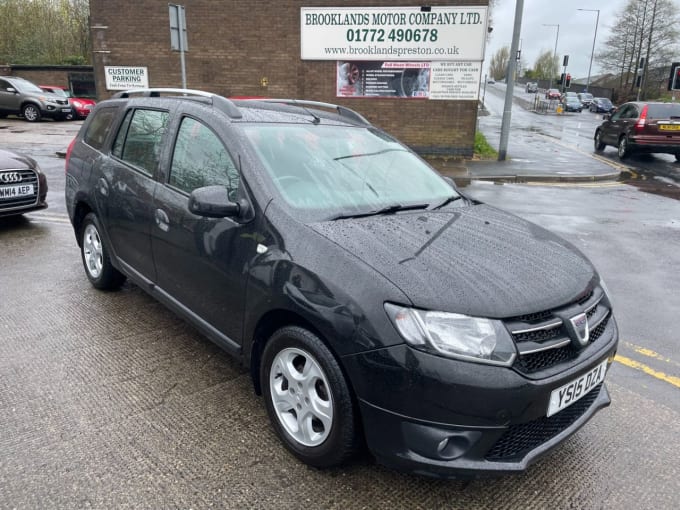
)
(124, 78)
(395, 33)
(455, 80)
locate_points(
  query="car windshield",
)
(586, 96)
(326, 172)
(26, 86)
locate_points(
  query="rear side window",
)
(99, 128)
(200, 159)
(663, 111)
(139, 138)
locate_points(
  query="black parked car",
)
(372, 301)
(601, 105)
(641, 128)
(23, 186)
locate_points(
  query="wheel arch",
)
(274, 320)
(80, 210)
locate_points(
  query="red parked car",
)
(552, 94)
(81, 106)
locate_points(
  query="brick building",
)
(253, 48)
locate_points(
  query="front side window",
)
(139, 138)
(200, 159)
(326, 171)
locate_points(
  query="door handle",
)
(162, 220)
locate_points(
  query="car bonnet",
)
(475, 260)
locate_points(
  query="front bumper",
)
(440, 417)
(449, 451)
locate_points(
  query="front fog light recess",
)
(454, 335)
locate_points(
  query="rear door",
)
(202, 262)
(619, 123)
(126, 185)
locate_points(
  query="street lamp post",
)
(557, 36)
(592, 53)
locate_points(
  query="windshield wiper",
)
(390, 209)
(446, 201)
(368, 154)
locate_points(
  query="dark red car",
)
(552, 94)
(81, 106)
(641, 127)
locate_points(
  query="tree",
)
(44, 31)
(499, 63)
(546, 65)
(645, 29)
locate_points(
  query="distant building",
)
(245, 48)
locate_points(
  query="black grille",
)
(520, 439)
(27, 177)
(539, 335)
(530, 363)
(597, 332)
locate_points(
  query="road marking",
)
(601, 159)
(675, 381)
(594, 184)
(650, 353)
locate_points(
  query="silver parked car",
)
(22, 97)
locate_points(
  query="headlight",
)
(454, 335)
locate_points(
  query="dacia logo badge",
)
(580, 327)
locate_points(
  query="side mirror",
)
(12, 90)
(213, 202)
(606, 116)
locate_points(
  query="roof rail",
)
(218, 101)
(340, 110)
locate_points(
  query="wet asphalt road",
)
(107, 400)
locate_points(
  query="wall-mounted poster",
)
(413, 80)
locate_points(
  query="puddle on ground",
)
(652, 184)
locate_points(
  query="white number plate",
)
(566, 395)
(16, 191)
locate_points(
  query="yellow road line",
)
(593, 184)
(650, 353)
(601, 159)
(675, 381)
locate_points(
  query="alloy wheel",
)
(93, 251)
(301, 396)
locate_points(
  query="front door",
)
(202, 262)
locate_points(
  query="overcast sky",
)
(577, 29)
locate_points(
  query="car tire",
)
(31, 113)
(599, 145)
(623, 148)
(96, 259)
(315, 418)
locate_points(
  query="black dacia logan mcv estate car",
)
(373, 302)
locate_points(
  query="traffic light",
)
(562, 78)
(567, 81)
(674, 78)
